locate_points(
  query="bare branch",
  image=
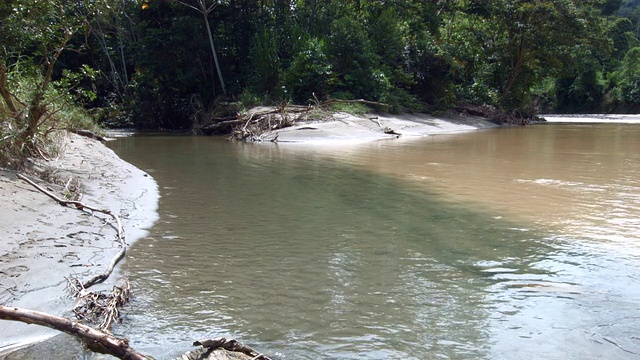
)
(94, 338)
(81, 206)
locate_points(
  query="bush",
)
(351, 108)
(624, 84)
(309, 73)
(355, 63)
(19, 138)
(400, 101)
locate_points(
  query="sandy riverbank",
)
(43, 243)
(346, 128)
(593, 118)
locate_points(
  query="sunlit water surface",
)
(517, 243)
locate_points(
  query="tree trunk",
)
(6, 95)
(94, 338)
(213, 50)
(205, 10)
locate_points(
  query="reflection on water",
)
(513, 243)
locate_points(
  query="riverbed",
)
(497, 244)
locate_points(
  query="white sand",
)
(346, 128)
(42, 243)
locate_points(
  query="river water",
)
(511, 243)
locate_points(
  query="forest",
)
(168, 64)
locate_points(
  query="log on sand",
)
(96, 340)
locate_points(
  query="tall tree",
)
(524, 41)
(114, 35)
(205, 9)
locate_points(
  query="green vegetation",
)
(164, 64)
(39, 96)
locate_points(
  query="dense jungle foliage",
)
(165, 63)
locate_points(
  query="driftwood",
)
(359, 101)
(96, 340)
(97, 307)
(81, 206)
(230, 345)
(103, 342)
(88, 133)
(499, 116)
(253, 125)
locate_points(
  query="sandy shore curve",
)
(43, 243)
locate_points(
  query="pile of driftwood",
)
(98, 307)
(498, 116)
(103, 309)
(253, 125)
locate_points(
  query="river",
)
(511, 243)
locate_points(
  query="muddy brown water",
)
(517, 243)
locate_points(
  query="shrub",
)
(309, 73)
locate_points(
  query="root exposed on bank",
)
(95, 307)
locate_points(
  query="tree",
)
(610, 7)
(114, 30)
(620, 30)
(38, 32)
(523, 42)
(310, 72)
(630, 77)
(353, 59)
(205, 9)
(166, 84)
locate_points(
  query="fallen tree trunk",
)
(359, 101)
(92, 337)
(102, 342)
(87, 133)
(499, 116)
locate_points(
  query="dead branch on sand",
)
(81, 206)
(98, 307)
(253, 125)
